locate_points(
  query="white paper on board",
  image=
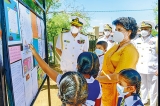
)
(34, 82)
(25, 27)
(42, 28)
(43, 49)
(39, 28)
(12, 20)
(28, 89)
(18, 84)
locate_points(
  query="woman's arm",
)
(51, 73)
(108, 78)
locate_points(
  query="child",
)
(88, 66)
(101, 48)
(73, 88)
(128, 88)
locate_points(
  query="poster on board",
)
(15, 53)
(12, 22)
(34, 81)
(39, 28)
(35, 44)
(28, 89)
(27, 62)
(25, 27)
(41, 76)
(43, 49)
(17, 83)
(40, 48)
(42, 28)
(34, 25)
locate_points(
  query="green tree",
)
(52, 4)
(156, 12)
(62, 20)
(154, 32)
(56, 23)
(69, 5)
(33, 6)
(49, 4)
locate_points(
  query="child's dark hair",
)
(103, 43)
(133, 78)
(88, 63)
(73, 89)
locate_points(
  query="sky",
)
(100, 18)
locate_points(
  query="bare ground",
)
(42, 99)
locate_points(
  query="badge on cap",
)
(107, 26)
(147, 24)
(77, 21)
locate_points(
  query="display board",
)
(24, 77)
(1, 60)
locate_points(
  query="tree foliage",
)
(33, 6)
(49, 4)
(52, 4)
(154, 32)
(56, 23)
(156, 12)
(62, 20)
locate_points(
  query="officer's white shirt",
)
(71, 50)
(148, 58)
(104, 38)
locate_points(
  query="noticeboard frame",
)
(7, 81)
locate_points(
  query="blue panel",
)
(35, 44)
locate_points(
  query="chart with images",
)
(23, 28)
(12, 23)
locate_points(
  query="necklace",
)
(124, 44)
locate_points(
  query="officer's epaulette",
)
(64, 30)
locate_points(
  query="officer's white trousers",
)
(149, 85)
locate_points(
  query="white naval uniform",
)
(103, 38)
(71, 50)
(147, 66)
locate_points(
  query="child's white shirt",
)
(129, 101)
(101, 62)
